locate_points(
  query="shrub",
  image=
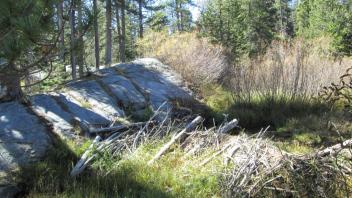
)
(196, 59)
(299, 68)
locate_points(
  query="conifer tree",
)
(27, 30)
(108, 33)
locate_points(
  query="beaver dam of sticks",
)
(251, 165)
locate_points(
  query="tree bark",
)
(283, 28)
(61, 30)
(221, 22)
(73, 39)
(80, 47)
(108, 45)
(123, 33)
(96, 35)
(180, 10)
(178, 17)
(118, 26)
(10, 86)
(140, 15)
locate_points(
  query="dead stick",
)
(188, 128)
(229, 126)
(333, 150)
(116, 128)
(80, 166)
(204, 162)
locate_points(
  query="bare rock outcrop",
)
(121, 91)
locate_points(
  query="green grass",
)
(125, 176)
(298, 124)
(274, 111)
(56, 79)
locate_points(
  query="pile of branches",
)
(122, 138)
(251, 165)
(117, 139)
(255, 167)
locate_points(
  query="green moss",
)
(307, 138)
(295, 147)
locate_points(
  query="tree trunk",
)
(10, 86)
(123, 32)
(283, 27)
(178, 17)
(180, 10)
(73, 39)
(96, 35)
(221, 22)
(108, 45)
(118, 25)
(140, 15)
(80, 46)
(61, 30)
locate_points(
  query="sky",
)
(196, 9)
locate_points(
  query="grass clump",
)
(295, 147)
(217, 98)
(274, 111)
(127, 175)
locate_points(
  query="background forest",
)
(85, 34)
(279, 63)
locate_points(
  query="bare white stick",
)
(230, 153)
(333, 150)
(204, 162)
(229, 126)
(188, 128)
(147, 124)
(81, 164)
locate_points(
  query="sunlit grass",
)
(128, 175)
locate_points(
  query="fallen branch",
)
(83, 162)
(228, 126)
(117, 127)
(334, 150)
(156, 113)
(204, 162)
(230, 153)
(188, 128)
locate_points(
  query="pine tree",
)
(223, 22)
(123, 32)
(73, 39)
(285, 20)
(158, 21)
(60, 19)
(246, 26)
(27, 30)
(96, 34)
(108, 34)
(326, 18)
(80, 41)
(261, 20)
(180, 14)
